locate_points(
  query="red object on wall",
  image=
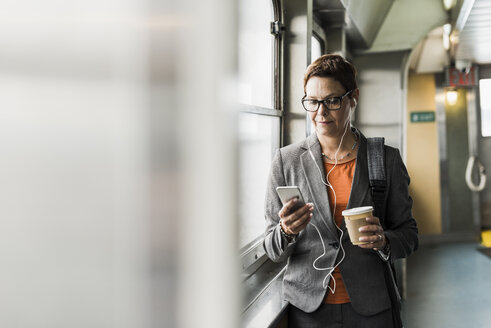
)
(457, 78)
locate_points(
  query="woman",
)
(330, 282)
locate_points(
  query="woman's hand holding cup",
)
(292, 219)
(377, 239)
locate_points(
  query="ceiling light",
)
(447, 28)
(449, 4)
(451, 96)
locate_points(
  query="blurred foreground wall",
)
(117, 164)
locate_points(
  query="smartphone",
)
(288, 192)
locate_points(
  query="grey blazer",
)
(362, 269)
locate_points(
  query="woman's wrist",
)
(288, 236)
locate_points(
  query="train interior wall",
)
(423, 162)
(382, 93)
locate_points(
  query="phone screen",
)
(288, 192)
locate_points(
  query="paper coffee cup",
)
(354, 219)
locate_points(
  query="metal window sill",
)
(264, 306)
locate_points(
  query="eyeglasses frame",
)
(323, 101)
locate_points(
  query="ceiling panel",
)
(361, 19)
(475, 37)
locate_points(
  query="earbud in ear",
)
(353, 107)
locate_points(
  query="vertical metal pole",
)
(442, 149)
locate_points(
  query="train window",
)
(258, 134)
(255, 53)
(316, 47)
(485, 97)
(259, 119)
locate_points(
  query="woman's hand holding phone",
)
(293, 219)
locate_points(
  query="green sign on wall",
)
(420, 117)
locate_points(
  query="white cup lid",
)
(357, 210)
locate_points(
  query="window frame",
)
(319, 34)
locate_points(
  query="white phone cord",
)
(328, 184)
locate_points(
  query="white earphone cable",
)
(328, 184)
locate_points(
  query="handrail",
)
(468, 174)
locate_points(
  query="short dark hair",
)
(334, 66)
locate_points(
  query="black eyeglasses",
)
(331, 103)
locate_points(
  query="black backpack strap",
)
(376, 174)
(378, 186)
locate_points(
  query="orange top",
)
(341, 179)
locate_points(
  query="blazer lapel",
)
(311, 161)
